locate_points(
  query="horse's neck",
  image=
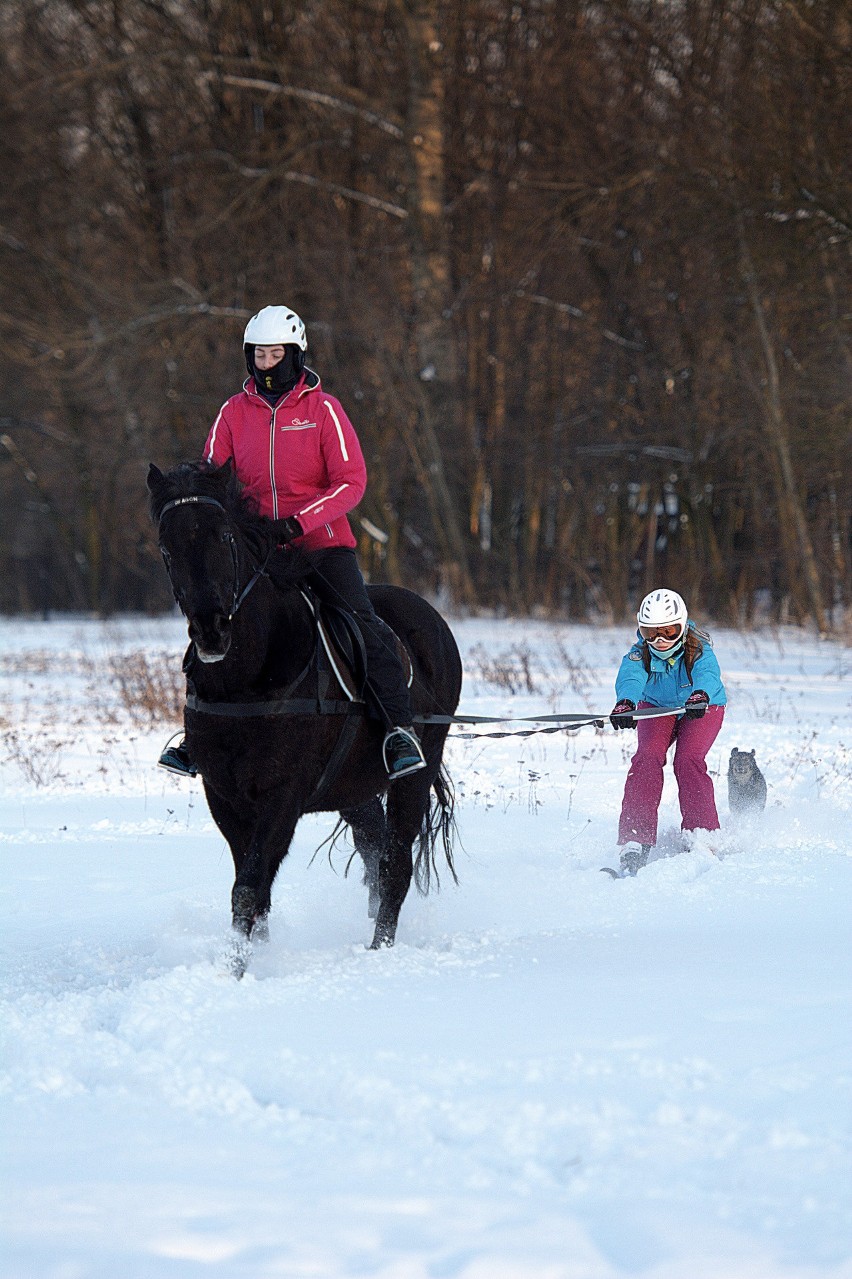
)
(273, 639)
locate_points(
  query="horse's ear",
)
(155, 477)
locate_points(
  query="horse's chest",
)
(251, 757)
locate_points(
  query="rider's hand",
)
(288, 529)
(696, 704)
(619, 717)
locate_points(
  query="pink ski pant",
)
(644, 786)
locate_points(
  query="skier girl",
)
(672, 663)
(296, 453)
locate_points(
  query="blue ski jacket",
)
(668, 683)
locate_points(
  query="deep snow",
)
(553, 1074)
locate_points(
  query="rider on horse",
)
(296, 453)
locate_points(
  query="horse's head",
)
(192, 506)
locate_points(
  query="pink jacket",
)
(300, 458)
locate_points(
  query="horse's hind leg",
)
(408, 802)
(369, 831)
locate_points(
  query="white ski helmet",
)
(662, 608)
(276, 326)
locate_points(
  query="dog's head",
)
(742, 763)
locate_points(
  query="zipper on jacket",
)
(272, 464)
(275, 409)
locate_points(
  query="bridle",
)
(238, 596)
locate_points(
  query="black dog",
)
(746, 784)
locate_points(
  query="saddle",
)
(342, 642)
(340, 662)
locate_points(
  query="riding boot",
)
(176, 759)
(338, 580)
(402, 753)
(385, 676)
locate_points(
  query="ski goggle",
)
(650, 633)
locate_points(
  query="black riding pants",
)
(336, 579)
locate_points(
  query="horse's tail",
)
(439, 827)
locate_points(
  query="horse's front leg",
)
(236, 824)
(274, 824)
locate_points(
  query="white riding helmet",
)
(662, 608)
(275, 326)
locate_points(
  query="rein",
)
(238, 596)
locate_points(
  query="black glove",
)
(286, 530)
(619, 717)
(696, 704)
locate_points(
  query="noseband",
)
(238, 596)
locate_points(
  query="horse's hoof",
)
(239, 955)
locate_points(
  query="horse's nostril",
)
(211, 633)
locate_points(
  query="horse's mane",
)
(203, 479)
(193, 479)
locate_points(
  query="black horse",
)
(252, 722)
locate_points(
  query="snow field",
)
(552, 1074)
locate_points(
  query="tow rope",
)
(553, 723)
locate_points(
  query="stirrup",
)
(175, 759)
(402, 753)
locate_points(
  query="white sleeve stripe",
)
(339, 430)
(320, 500)
(213, 434)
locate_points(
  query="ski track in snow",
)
(553, 1075)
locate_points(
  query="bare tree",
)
(577, 270)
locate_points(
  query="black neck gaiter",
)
(282, 377)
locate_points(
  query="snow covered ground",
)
(553, 1075)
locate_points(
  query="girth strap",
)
(337, 758)
(284, 706)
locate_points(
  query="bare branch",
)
(614, 337)
(40, 428)
(540, 300)
(373, 201)
(311, 95)
(158, 316)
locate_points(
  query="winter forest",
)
(580, 273)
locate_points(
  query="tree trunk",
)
(431, 288)
(790, 511)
